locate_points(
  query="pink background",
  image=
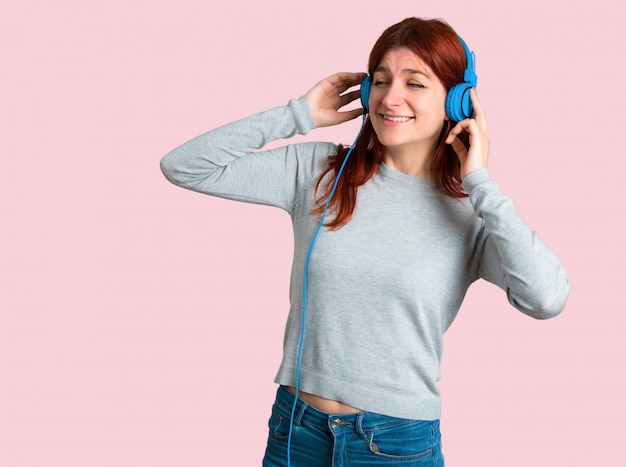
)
(141, 324)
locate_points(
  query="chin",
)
(396, 140)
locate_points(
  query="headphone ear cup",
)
(366, 87)
(458, 102)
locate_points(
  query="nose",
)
(393, 95)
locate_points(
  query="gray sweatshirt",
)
(384, 288)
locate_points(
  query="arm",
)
(224, 161)
(512, 256)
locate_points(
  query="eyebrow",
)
(409, 71)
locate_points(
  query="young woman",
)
(414, 220)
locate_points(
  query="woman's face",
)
(407, 103)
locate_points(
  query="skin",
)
(328, 96)
(403, 85)
(405, 88)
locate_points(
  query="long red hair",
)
(436, 43)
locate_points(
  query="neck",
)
(414, 163)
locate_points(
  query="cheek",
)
(375, 99)
(434, 106)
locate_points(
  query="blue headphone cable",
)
(304, 287)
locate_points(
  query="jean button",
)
(335, 423)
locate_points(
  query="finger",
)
(459, 148)
(457, 130)
(479, 113)
(345, 80)
(349, 114)
(350, 96)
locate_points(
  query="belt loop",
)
(298, 418)
(359, 425)
(359, 421)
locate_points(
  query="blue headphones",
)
(458, 102)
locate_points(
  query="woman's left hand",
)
(476, 157)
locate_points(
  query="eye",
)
(416, 85)
(379, 82)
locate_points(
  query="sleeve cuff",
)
(302, 114)
(474, 179)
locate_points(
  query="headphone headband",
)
(469, 75)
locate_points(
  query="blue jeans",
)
(338, 440)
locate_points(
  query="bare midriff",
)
(324, 405)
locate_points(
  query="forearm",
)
(225, 162)
(513, 257)
(192, 163)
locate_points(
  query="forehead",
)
(403, 59)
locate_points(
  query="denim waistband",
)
(304, 413)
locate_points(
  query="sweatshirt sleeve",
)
(513, 257)
(225, 162)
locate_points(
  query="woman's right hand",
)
(326, 98)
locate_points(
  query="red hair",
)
(436, 43)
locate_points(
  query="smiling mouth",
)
(396, 119)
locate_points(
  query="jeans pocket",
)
(278, 425)
(408, 441)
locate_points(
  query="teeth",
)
(397, 119)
